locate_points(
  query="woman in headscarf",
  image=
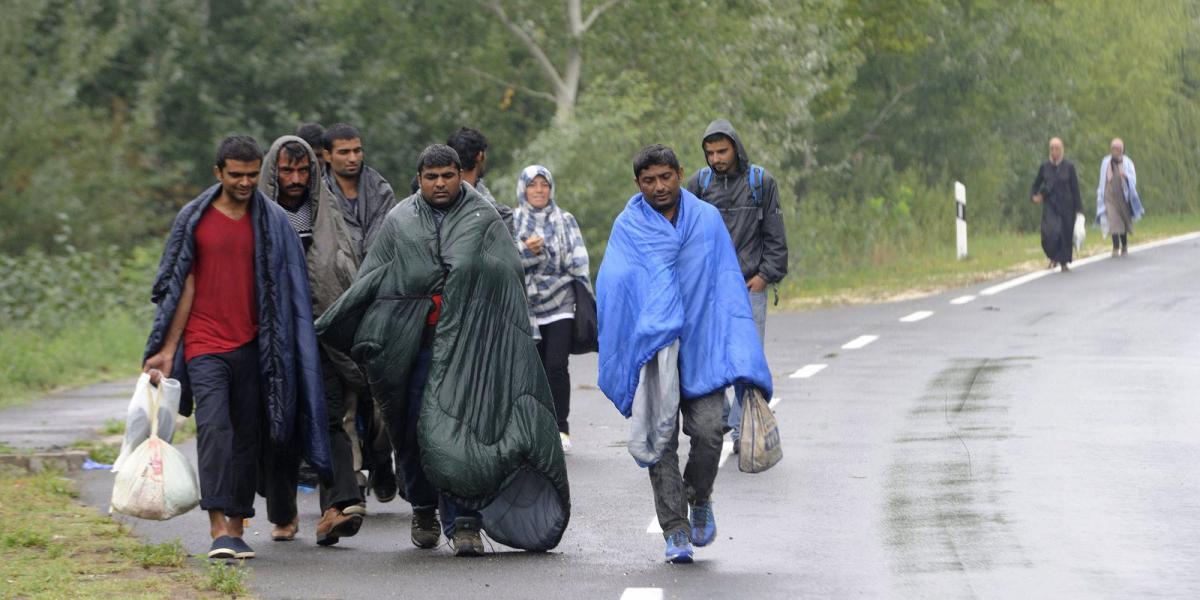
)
(554, 257)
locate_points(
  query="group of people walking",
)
(1056, 188)
(312, 317)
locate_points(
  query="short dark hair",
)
(313, 133)
(468, 143)
(339, 131)
(713, 137)
(294, 151)
(438, 155)
(654, 154)
(238, 147)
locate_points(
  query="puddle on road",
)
(947, 483)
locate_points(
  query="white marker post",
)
(960, 203)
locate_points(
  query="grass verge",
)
(54, 547)
(34, 363)
(898, 274)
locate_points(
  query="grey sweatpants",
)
(703, 423)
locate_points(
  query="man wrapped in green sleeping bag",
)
(437, 319)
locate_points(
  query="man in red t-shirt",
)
(217, 316)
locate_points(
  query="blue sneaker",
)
(679, 548)
(222, 548)
(704, 524)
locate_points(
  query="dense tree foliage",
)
(865, 110)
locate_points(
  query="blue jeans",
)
(733, 408)
(421, 494)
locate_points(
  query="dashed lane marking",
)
(807, 371)
(642, 594)
(653, 527)
(859, 342)
(962, 299)
(917, 316)
(726, 451)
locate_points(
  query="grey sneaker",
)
(467, 540)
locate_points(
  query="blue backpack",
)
(756, 179)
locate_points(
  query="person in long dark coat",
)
(1056, 188)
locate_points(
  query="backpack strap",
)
(706, 175)
(756, 181)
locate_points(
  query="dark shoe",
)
(222, 548)
(286, 533)
(383, 483)
(679, 548)
(335, 524)
(704, 524)
(426, 531)
(467, 540)
(241, 549)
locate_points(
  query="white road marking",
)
(859, 342)
(726, 450)
(653, 527)
(807, 371)
(962, 299)
(642, 594)
(1012, 283)
(1008, 285)
(917, 316)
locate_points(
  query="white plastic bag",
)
(137, 419)
(1080, 231)
(156, 481)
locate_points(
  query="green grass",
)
(227, 579)
(894, 274)
(32, 363)
(54, 547)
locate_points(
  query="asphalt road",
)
(1035, 442)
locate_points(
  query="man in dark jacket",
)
(290, 178)
(748, 199)
(471, 147)
(1056, 188)
(365, 198)
(234, 324)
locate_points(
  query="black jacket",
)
(757, 231)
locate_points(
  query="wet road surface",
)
(1037, 442)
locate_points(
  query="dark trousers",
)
(280, 467)
(555, 350)
(1120, 240)
(229, 411)
(703, 423)
(420, 493)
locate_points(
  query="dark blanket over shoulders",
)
(290, 379)
(487, 426)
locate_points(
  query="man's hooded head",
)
(723, 148)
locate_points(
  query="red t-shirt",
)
(224, 313)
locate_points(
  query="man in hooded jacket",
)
(748, 199)
(364, 198)
(233, 323)
(290, 178)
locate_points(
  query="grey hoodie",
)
(365, 215)
(757, 232)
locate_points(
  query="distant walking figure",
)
(1118, 205)
(1056, 188)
